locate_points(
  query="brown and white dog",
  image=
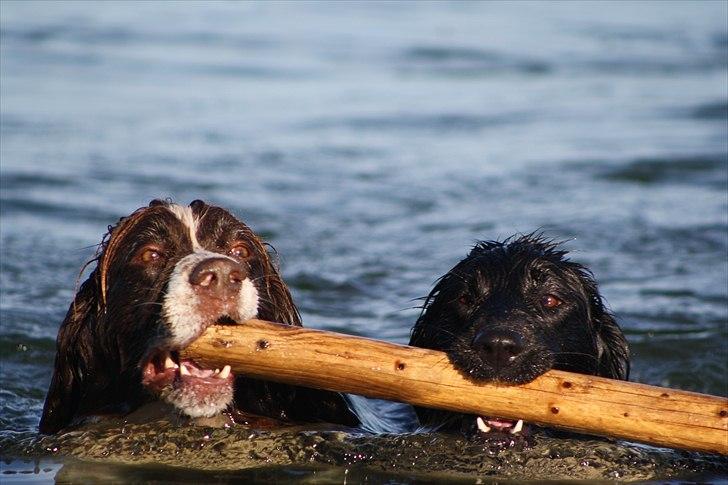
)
(163, 275)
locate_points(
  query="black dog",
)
(511, 311)
(162, 276)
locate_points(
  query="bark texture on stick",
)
(589, 404)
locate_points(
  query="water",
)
(372, 144)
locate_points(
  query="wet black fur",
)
(114, 321)
(502, 285)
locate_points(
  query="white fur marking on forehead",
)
(188, 218)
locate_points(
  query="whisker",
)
(148, 303)
(579, 354)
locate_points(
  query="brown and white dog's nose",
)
(498, 347)
(218, 277)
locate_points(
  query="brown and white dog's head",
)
(163, 275)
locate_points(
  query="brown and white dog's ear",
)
(71, 363)
(75, 346)
(276, 302)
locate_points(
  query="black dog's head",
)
(512, 310)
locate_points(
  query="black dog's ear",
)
(429, 331)
(612, 348)
(66, 388)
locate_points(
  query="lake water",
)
(372, 144)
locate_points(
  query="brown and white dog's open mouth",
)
(191, 388)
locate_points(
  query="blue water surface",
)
(372, 144)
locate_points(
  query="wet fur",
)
(501, 284)
(115, 318)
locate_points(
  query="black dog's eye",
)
(550, 301)
(240, 250)
(464, 299)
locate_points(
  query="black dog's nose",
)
(219, 277)
(498, 347)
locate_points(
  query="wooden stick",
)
(326, 360)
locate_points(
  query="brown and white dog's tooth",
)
(169, 363)
(225, 372)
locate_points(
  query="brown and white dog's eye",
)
(550, 301)
(240, 250)
(150, 255)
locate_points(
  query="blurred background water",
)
(372, 144)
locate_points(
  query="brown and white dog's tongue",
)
(486, 425)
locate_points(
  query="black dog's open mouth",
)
(498, 425)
